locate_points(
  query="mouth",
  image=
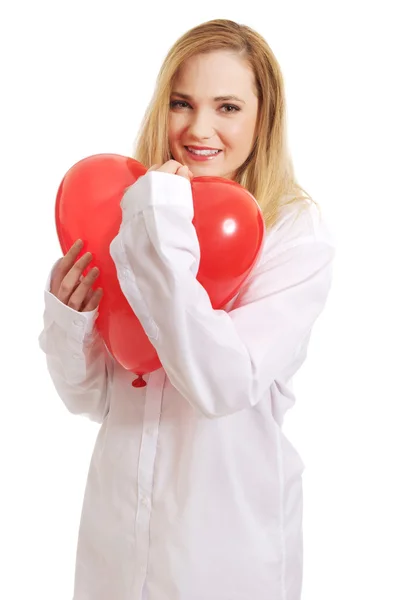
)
(205, 154)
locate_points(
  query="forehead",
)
(215, 73)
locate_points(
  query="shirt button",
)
(78, 323)
(144, 501)
(76, 356)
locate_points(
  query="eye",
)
(178, 104)
(231, 106)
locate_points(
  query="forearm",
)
(77, 359)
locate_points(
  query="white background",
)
(77, 77)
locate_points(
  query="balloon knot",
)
(139, 382)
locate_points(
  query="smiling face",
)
(213, 105)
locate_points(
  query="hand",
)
(69, 285)
(175, 168)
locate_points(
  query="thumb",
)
(185, 172)
(154, 167)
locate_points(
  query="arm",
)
(220, 362)
(77, 360)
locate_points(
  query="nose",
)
(201, 125)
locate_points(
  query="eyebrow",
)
(216, 99)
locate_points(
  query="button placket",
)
(147, 456)
(145, 501)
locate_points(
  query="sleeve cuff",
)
(157, 189)
(77, 325)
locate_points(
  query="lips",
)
(203, 151)
(202, 148)
(202, 156)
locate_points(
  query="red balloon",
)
(228, 222)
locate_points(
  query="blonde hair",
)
(268, 172)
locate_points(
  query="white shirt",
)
(193, 491)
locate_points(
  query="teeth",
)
(203, 152)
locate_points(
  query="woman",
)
(194, 492)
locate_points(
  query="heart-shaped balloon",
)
(228, 223)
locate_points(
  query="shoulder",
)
(296, 247)
(297, 223)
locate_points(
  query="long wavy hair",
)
(268, 172)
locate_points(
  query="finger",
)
(70, 282)
(88, 297)
(77, 297)
(171, 166)
(64, 265)
(55, 278)
(184, 172)
(154, 167)
(81, 278)
(93, 301)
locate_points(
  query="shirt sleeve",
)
(221, 362)
(77, 360)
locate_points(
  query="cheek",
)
(176, 128)
(239, 135)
